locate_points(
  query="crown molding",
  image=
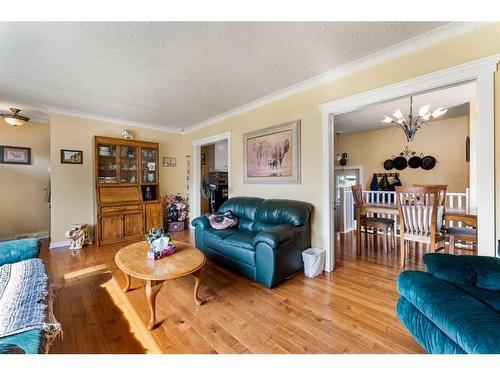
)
(91, 116)
(393, 52)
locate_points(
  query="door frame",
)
(479, 71)
(195, 188)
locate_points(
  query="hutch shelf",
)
(127, 189)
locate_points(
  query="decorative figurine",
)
(79, 236)
(126, 134)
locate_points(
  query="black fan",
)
(213, 186)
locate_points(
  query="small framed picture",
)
(202, 159)
(71, 157)
(15, 155)
(169, 162)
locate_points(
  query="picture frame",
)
(169, 161)
(272, 155)
(71, 157)
(15, 155)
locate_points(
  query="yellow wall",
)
(22, 205)
(464, 48)
(73, 188)
(445, 140)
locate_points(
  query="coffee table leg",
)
(152, 289)
(126, 288)
(197, 283)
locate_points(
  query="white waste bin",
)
(314, 261)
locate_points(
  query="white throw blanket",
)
(23, 297)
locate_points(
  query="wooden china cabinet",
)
(127, 189)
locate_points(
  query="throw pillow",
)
(223, 221)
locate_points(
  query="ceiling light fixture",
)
(411, 126)
(14, 118)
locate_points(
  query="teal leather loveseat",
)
(267, 244)
(454, 307)
(29, 342)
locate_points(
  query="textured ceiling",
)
(366, 119)
(175, 74)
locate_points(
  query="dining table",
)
(465, 215)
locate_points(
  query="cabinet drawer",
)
(122, 208)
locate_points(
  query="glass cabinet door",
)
(107, 163)
(148, 166)
(128, 165)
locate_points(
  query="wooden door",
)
(110, 228)
(132, 224)
(154, 215)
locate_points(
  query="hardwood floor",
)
(350, 310)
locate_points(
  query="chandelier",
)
(411, 126)
(14, 118)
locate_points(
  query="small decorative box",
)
(155, 254)
(175, 226)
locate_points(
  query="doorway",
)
(479, 71)
(214, 176)
(211, 173)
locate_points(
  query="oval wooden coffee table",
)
(133, 261)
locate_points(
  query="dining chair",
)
(420, 218)
(462, 234)
(455, 234)
(375, 223)
(443, 190)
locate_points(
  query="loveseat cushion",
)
(480, 271)
(488, 297)
(283, 211)
(430, 337)
(237, 245)
(218, 234)
(245, 208)
(278, 235)
(448, 267)
(471, 324)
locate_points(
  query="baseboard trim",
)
(58, 244)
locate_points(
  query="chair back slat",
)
(418, 209)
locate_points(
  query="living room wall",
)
(480, 43)
(22, 206)
(443, 139)
(73, 187)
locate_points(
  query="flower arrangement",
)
(159, 246)
(154, 234)
(176, 207)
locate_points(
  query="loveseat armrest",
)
(480, 271)
(279, 235)
(18, 250)
(201, 221)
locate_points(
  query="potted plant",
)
(176, 212)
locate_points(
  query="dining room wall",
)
(443, 139)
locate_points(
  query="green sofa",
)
(454, 307)
(267, 244)
(31, 341)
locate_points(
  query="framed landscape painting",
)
(15, 155)
(272, 155)
(71, 157)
